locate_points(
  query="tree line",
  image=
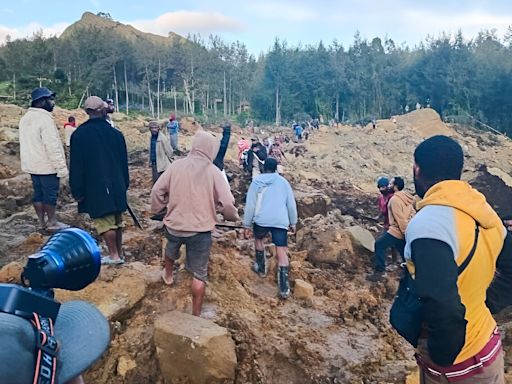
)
(213, 79)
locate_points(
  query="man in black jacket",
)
(99, 176)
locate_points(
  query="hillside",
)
(90, 20)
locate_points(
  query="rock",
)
(11, 273)
(116, 293)
(362, 237)
(124, 365)
(331, 246)
(193, 349)
(303, 290)
(311, 204)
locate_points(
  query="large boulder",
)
(330, 245)
(362, 238)
(194, 350)
(116, 293)
(303, 290)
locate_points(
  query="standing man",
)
(99, 176)
(190, 191)
(42, 156)
(400, 212)
(271, 207)
(111, 108)
(256, 158)
(160, 151)
(386, 194)
(173, 127)
(460, 258)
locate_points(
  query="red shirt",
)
(383, 208)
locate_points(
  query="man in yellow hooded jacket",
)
(460, 341)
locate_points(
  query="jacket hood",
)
(405, 196)
(460, 195)
(206, 144)
(266, 179)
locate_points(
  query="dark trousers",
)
(382, 244)
(154, 172)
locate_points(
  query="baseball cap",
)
(94, 103)
(83, 334)
(39, 93)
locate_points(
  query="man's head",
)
(382, 184)
(111, 108)
(265, 141)
(71, 119)
(270, 165)
(43, 98)
(154, 127)
(172, 117)
(95, 107)
(83, 334)
(436, 159)
(396, 184)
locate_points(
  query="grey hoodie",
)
(275, 207)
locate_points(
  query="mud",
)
(339, 335)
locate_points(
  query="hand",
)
(292, 229)
(247, 233)
(508, 224)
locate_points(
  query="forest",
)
(462, 79)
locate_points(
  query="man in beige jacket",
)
(160, 151)
(42, 156)
(400, 212)
(191, 191)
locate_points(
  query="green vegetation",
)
(214, 79)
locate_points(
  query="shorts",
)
(106, 223)
(197, 250)
(279, 235)
(46, 189)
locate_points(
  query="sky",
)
(258, 22)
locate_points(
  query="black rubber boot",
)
(283, 283)
(260, 265)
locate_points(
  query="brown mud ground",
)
(340, 335)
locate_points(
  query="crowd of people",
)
(455, 251)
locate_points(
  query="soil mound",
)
(426, 122)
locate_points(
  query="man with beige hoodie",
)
(42, 156)
(191, 191)
(400, 211)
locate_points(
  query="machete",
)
(135, 220)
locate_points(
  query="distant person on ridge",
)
(189, 193)
(42, 156)
(271, 207)
(173, 126)
(400, 212)
(160, 151)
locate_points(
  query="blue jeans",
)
(382, 244)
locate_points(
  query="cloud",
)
(184, 22)
(284, 11)
(29, 29)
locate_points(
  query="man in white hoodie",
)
(42, 156)
(271, 207)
